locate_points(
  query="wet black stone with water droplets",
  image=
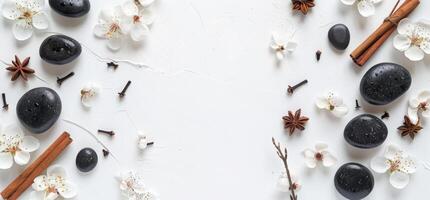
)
(384, 83)
(339, 36)
(86, 160)
(39, 109)
(59, 49)
(354, 181)
(70, 8)
(365, 131)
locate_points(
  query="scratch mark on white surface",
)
(426, 165)
(198, 14)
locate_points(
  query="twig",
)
(283, 155)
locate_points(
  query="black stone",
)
(384, 83)
(339, 36)
(59, 49)
(86, 160)
(71, 8)
(354, 181)
(365, 131)
(39, 109)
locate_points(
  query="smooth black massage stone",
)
(365, 131)
(339, 36)
(39, 109)
(384, 83)
(71, 8)
(354, 181)
(86, 160)
(59, 49)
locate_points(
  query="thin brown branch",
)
(283, 156)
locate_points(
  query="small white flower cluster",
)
(366, 8)
(131, 18)
(281, 47)
(132, 187)
(419, 105)
(53, 185)
(332, 102)
(26, 15)
(15, 146)
(413, 39)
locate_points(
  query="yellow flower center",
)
(394, 165)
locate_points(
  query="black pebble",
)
(339, 36)
(39, 109)
(86, 160)
(59, 49)
(384, 83)
(71, 8)
(365, 131)
(354, 181)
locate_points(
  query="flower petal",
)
(56, 170)
(276, 39)
(283, 184)
(29, 144)
(6, 160)
(379, 164)
(40, 21)
(100, 30)
(33, 5)
(322, 103)
(309, 153)
(425, 46)
(280, 55)
(115, 43)
(340, 111)
(366, 8)
(22, 157)
(106, 15)
(130, 8)
(399, 180)
(424, 96)
(414, 53)
(311, 162)
(413, 114)
(146, 3)
(39, 195)
(405, 26)
(320, 146)
(348, 2)
(328, 159)
(146, 16)
(402, 42)
(334, 99)
(51, 196)
(39, 183)
(391, 152)
(68, 190)
(291, 46)
(22, 30)
(10, 10)
(414, 102)
(409, 165)
(139, 32)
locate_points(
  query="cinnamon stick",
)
(366, 50)
(23, 181)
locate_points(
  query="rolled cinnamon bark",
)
(366, 49)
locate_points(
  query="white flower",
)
(419, 104)
(113, 25)
(88, 93)
(14, 145)
(365, 7)
(26, 14)
(333, 103)
(143, 140)
(53, 185)
(319, 155)
(133, 188)
(284, 184)
(280, 48)
(141, 17)
(413, 39)
(397, 163)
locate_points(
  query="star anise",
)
(19, 68)
(410, 128)
(295, 121)
(303, 5)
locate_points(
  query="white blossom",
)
(413, 39)
(284, 184)
(366, 8)
(15, 146)
(320, 154)
(141, 16)
(280, 47)
(397, 163)
(419, 104)
(113, 25)
(53, 185)
(25, 14)
(333, 103)
(133, 188)
(89, 93)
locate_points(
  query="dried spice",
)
(105, 152)
(112, 64)
(283, 155)
(291, 89)
(110, 133)
(303, 5)
(410, 128)
(19, 68)
(61, 80)
(385, 115)
(5, 105)
(295, 121)
(357, 106)
(318, 55)
(122, 93)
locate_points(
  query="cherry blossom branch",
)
(283, 155)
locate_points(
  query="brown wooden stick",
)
(41, 168)
(366, 49)
(26, 174)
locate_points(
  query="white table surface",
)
(214, 111)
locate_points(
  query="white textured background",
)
(213, 113)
